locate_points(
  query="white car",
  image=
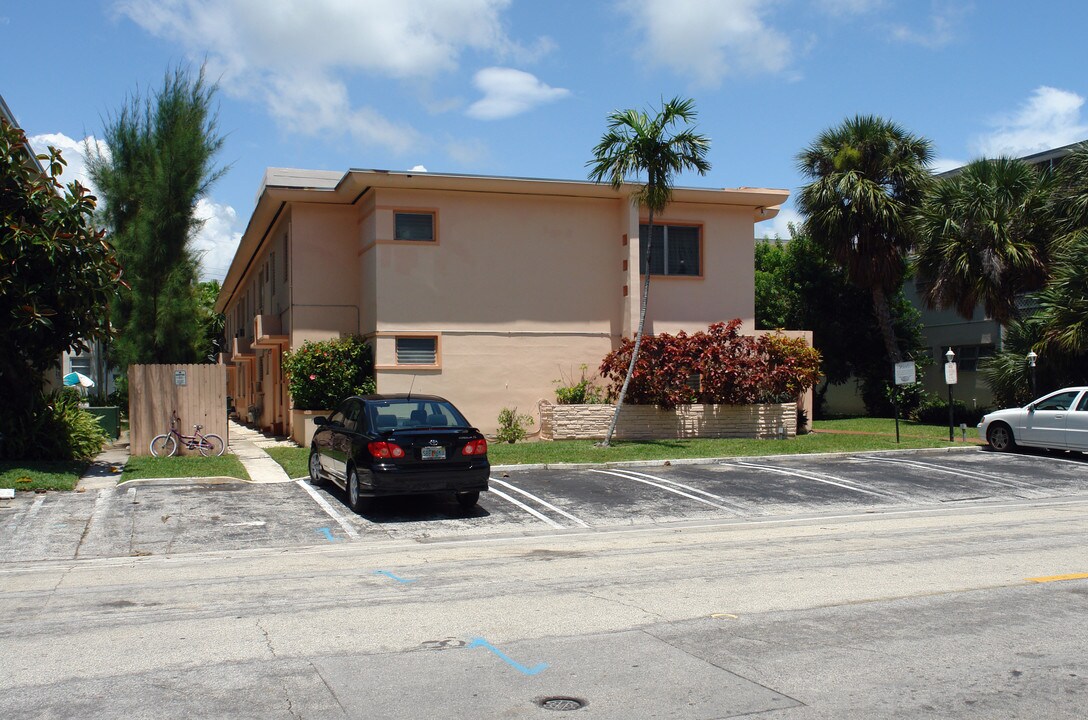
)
(1058, 421)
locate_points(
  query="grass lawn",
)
(859, 435)
(886, 426)
(40, 475)
(294, 460)
(138, 468)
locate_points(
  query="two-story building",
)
(485, 290)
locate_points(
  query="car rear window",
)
(393, 414)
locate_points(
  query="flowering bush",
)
(321, 374)
(717, 366)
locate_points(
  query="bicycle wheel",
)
(212, 445)
(164, 446)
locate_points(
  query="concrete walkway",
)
(248, 445)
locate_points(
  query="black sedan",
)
(378, 445)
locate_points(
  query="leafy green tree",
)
(869, 177)
(635, 144)
(159, 164)
(985, 237)
(805, 282)
(57, 277)
(212, 324)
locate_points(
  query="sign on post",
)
(905, 373)
(950, 374)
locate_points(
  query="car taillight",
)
(475, 447)
(383, 449)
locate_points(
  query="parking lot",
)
(164, 518)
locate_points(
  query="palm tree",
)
(635, 144)
(983, 238)
(868, 178)
(1063, 304)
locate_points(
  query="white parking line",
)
(732, 506)
(543, 502)
(1015, 485)
(340, 519)
(837, 482)
(626, 475)
(526, 508)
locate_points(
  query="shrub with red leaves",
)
(730, 368)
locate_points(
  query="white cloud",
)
(508, 92)
(217, 240)
(941, 165)
(74, 153)
(417, 168)
(778, 226)
(291, 54)
(849, 7)
(944, 23)
(708, 40)
(1050, 118)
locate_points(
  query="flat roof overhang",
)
(282, 186)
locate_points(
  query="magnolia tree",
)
(57, 277)
(717, 366)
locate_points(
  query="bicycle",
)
(166, 445)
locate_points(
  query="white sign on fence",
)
(905, 373)
(179, 378)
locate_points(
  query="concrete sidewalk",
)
(246, 444)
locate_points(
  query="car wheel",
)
(468, 500)
(356, 501)
(1000, 437)
(315, 468)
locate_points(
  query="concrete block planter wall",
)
(302, 425)
(649, 422)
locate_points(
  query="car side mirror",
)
(1031, 407)
(321, 420)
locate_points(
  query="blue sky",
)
(523, 87)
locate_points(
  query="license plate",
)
(434, 453)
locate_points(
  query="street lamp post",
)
(1032, 357)
(950, 378)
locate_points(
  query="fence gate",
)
(197, 392)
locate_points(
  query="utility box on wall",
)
(198, 393)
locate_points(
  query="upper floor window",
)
(413, 226)
(675, 249)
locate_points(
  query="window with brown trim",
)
(413, 226)
(417, 350)
(675, 249)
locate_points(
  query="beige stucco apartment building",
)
(485, 290)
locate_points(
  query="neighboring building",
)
(971, 339)
(975, 338)
(483, 289)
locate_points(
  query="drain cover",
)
(562, 703)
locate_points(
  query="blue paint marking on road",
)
(394, 577)
(328, 534)
(535, 669)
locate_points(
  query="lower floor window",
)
(417, 351)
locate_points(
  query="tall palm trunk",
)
(884, 321)
(638, 333)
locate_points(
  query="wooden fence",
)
(197, 392)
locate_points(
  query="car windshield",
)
(393, 414)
